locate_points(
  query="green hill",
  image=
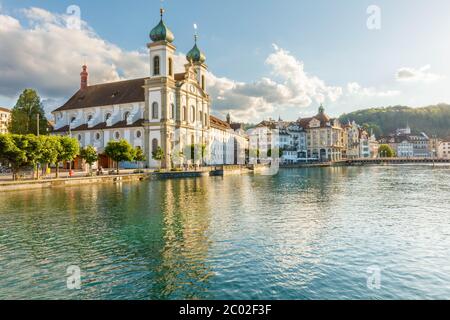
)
(433, 120)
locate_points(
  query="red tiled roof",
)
(5, 109)
(304, 123)
(62, 129)
(121, 92)
(219, 124)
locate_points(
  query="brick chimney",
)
(84, 78)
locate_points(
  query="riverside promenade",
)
(81, 178)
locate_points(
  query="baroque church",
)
(165, 109)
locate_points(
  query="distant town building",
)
(408, 145)
(290, 137)
(318, 138)
(443, 150)
(325, 140)
(5, 118)
(352, 131)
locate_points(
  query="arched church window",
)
(192, 114)
(126, 115)
(172, 111)
(155, 111)
(156, 66)
(200, 116)
(154, 145)
(108, 116)
(170, 67)
(184, 113)
(203, 82)
(89, 118)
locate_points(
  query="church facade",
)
(166, 110)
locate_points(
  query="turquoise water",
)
(303, 234)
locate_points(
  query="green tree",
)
(50, 148)
(12, 151)
(158, 155)
(433, 120)
(33, 146)
(25, 114)
(68, 150)
(139, 156)
(120, 151)
(386, 151)
(89, 154)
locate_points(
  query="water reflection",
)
(302, 234)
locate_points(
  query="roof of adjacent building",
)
(5, 110)
(219, 124)
(121, 92)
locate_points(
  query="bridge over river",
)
(362, 161)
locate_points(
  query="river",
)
(317, 233)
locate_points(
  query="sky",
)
(266, 58)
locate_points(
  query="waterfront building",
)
(404, 147)
(352, 132)
(228, 142)
(5, 118)
(434, 145)
(421, 147)
(374, 146)
(443, 150)
(407, 144)
(291, 139)
(368, 144)
(317, 138)
(364, 150)
(325, 140)
(164, 109)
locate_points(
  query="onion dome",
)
(321, 109)
(195, 55)
(161, 32)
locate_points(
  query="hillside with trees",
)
(433, 120)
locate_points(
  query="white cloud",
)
(422, 74)
(356, 90)
(47, 55)
(291, 87)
